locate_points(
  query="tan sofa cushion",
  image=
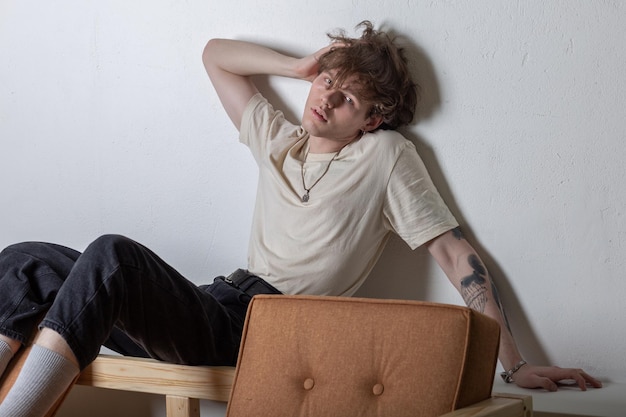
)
(336, 356)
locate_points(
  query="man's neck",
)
(322, 145)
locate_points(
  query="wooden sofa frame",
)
(184, 386)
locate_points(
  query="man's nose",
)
(330, 98)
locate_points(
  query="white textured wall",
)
(108, 124)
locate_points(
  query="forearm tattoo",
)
(456, 232)
(474, 287)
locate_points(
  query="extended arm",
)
(467, 272)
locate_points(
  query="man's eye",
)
(349, 100)
(328, 81)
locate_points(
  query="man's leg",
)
(48, 371)
(30, 276)
(118, 283)
(8, 347)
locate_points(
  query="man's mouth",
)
(319, 114)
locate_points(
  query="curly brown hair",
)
(380, 68)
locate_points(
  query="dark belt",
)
(250, 284)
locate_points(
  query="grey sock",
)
(45, 376)
(5, 356)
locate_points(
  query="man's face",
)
(335, 113)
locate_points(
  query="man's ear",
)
(372, 122)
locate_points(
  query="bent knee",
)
(40, 250)
(22, 247)
(110, 244)
(110, 241)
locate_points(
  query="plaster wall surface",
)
(108, 124)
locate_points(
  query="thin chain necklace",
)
(305, 196)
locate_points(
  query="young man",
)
(331, 191)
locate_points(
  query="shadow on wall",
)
(400, 272)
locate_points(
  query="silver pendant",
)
(305, 197)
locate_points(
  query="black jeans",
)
(121, 295)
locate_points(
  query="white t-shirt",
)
(328, 245)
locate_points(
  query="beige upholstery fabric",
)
(331, 356)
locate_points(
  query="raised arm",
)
(231, 63)
(467, 272)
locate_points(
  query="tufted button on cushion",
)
(309, 384)
(378, 389)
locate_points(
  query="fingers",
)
(580, 378)
(591, 380)
(549, 378)
(317, 55)
(535, 381)
(549, 385)
(328, 48)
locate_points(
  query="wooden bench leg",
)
(182, 406)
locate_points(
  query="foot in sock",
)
(44, 378)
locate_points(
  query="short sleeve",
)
(413, 206)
